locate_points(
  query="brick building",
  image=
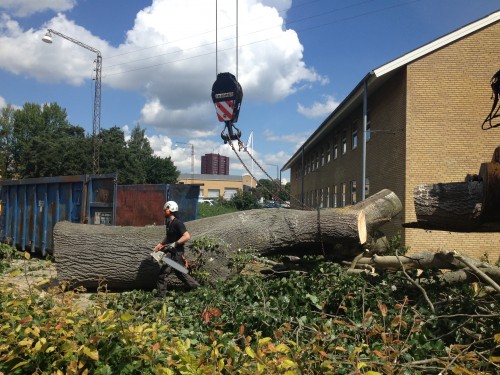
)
(214, 164)
(213, 186)
(423, 113)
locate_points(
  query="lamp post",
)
(96, 118)
(192, 156)
(277, 172)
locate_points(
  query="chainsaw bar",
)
(163, 260)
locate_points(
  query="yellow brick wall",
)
(448, 99)
(426, 128)
(220, 185)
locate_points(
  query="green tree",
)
(140, 152)
(6, 139)
(114, 156)
(160, 170)
(45, 144)
(244, 200)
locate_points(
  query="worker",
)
(173, 246)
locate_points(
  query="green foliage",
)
(45, 144)
(38, 141)
(206, 210)
(395, 246)
(272, 190)
(244, 200)
(322, 322)
(7, 254)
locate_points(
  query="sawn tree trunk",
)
(119, 257)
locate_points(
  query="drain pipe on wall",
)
(365, 123)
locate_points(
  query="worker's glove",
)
(158, 247)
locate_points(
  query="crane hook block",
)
(227, 96)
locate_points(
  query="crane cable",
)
(216, 39)
(242, 146)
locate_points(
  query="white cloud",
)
(23, 8)
(319, 109)
(169, 60)
(296, 138)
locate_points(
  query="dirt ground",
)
(40, 274)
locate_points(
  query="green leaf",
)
(250, 352)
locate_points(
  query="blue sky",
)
(296, 61)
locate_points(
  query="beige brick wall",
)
(448, 99)
(426, 128)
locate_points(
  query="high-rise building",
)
(214, 164)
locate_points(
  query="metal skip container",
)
(141, 205)
(31, 207)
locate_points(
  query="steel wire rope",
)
(254, 32)
(210, 31)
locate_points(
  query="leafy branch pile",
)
(322, 322)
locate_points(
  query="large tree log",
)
(470, 206)
(454, 206)
(119, 257)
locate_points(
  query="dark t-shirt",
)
(174, 230)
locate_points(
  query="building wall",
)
(215, 164)
(449, 96)
(219, 184)
(425, 124)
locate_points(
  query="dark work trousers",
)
(166, 270)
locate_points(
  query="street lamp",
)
(96, 118)
(192, 155)
(277, 172)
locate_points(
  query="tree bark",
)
(443, 260)
(119, 257)
(454, 206)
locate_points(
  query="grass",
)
(206, 210)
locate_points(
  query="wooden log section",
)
(119, 257)
(454, 206)
(489, 174)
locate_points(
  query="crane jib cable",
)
(227, 93)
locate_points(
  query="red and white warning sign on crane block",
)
(224, 110)
(227, 96)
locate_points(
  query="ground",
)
(25, 275)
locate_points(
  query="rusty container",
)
(141, 205)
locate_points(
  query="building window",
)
(328, 153)
(368, 133)
(353, 192)
(320, 198)
(354, 137)
(335, 150)
(322, 157)
(344, 142)
(317, 161)
(213, 193)
(327, 197)
(343, 195)
(367, 186)
(334, 196)
(201, 192)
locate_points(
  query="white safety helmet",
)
(171, 206)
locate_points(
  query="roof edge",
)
(438, 43)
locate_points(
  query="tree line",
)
(39, 141)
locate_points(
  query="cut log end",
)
(362, 230)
